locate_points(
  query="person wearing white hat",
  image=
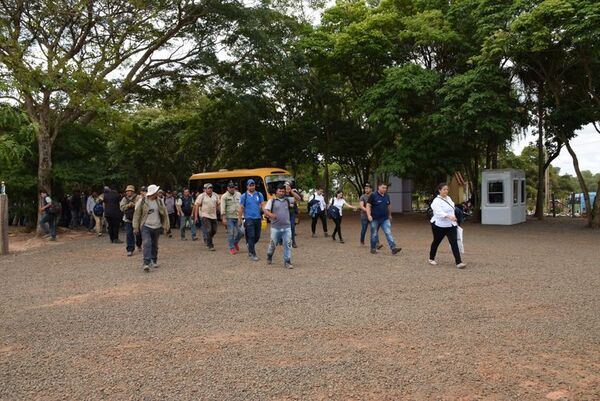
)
(150, 219)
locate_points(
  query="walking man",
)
(170, 205)
(185, 207)
(150, 218)
(319, 199)
(205, 208)
(230, 207)
(48, 219)
(364, 221)
(379, 214)
(112, 213)
(293, 197)
(75, 206)
(251, 204)
(127, 206)
(278, 211)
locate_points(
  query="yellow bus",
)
(267, 179)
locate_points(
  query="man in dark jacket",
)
(112, 213)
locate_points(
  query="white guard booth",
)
(503, 197)
(400, 192)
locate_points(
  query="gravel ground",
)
(81, 321)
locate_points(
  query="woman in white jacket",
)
(443, 224)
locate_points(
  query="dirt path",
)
(80, 321)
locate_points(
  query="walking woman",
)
(338, 202)
(443, 224)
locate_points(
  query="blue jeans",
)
(182, 222)
(48, 218)
(233, 232)
(130, 237)
(150, 243)
(252, 234)
(364, 224)
(386, 226)
(285, 236)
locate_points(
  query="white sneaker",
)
(432, 262)
(156, 265)
(461, 265)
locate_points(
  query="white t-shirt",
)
(339, 203)
(442, 209)
(321, 200)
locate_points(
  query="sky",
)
(586, 146)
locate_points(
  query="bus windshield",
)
(273, 181)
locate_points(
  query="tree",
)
(68, 61)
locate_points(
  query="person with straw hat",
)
(127, 206)
(150, 218)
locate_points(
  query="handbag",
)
(460, 239)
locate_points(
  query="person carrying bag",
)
(444, 223)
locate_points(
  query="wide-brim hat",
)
(152, 189)
(130, 188)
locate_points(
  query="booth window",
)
(495, 192)
(515, 192)
(522, 191)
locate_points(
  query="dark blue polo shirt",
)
(379, 206)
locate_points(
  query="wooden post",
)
(3, 224)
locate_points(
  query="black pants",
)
(209, 227)
(323, 216)
(172, 221)
(114, 223)
(438, 235)
(338, 227)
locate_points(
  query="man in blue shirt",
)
(379, 213)
(251, 204)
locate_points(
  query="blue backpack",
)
(98, 209)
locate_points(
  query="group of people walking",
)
(151, 212)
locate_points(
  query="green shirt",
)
(230, 205)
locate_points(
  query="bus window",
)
(273, 181)
(260, 186)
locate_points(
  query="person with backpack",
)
(379, 213)
(293, 197)
(251, 204)
(185, 208)
(48, 212)
(444, 224)
(230, 207)
(150, 219)
(317, 210)
(278, 212)
(112, 214)
(127, 206)
(98, 212)
(335, 211)
(205, 208)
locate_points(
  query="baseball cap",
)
(230, 184)
(208, 185)
(250, 182)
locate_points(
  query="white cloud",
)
(586, 146)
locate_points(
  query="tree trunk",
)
(541, 184)
(44, 140)
(586, 193)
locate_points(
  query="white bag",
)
(459, 236)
